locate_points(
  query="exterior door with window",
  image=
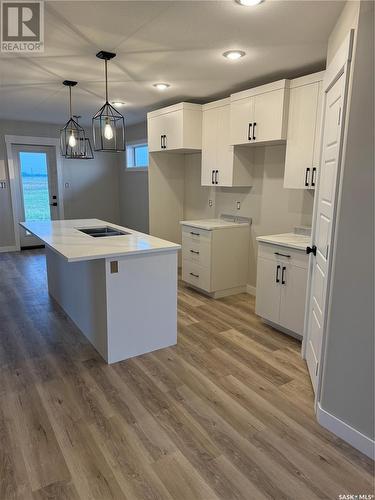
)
(38, 189)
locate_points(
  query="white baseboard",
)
(346, 432)
(251, 290)
(8, 249)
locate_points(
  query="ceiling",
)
(179, 42)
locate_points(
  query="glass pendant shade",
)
(108, 124)
(73, 141)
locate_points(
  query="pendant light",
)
(108, 125)
(86, 148)
(72, 136)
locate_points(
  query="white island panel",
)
(121, 291)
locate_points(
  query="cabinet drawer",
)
(195, 234)
(196, 275)
(283, 254)
(198, 252)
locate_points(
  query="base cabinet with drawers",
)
(281, 286)
(215, 260)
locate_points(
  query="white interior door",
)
(325, 212)
(36, 171)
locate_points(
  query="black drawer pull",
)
(194, 251)
(282, 254)
(277, 274)
(195, 275)
(249, 132)
(307, 177)
(313, 177)
(212, 177)
(194, 234)
(254, 125)
(283, 276)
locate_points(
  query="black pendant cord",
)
(70, 102)
(106, 80)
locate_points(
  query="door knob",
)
(311, 250)
(54, 204)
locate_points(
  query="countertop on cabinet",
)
(211, 224)
(289, 240)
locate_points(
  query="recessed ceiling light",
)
(119, 104)
(249, 3)
(161, 86)
(233, 55)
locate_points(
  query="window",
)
(137, 156)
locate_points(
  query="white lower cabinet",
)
(281, 286)
(215, 261)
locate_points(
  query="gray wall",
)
(93, 184)
(134, 187)
(348, 376)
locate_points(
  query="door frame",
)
(340, 65)
(14, 179)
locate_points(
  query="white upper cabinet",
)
(222, 164)
(303, 138)
(259, 115)
(176, 128)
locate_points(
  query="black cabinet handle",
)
(254, 125)
(311, 250)
(283, 276)
(212, 177)
(165, 142)
(54, 204)
(161, 142)
(249, 131)
(194, 251)
(216, 177)
(282, 254)
(194, 234)
(195, 275)
(307, 176)
(277, 274)
(313, 176)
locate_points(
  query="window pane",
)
(34, 179)
(141, 156)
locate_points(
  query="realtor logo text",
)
(22, 26)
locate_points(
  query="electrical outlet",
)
(210, 203)
(238, 203)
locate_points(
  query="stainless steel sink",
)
(102, 232)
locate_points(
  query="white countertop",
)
(63, 237)
(210, 224)
(289, 240)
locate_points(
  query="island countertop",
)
(64, 237)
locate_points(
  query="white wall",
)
(272, 208)
(93, 184)
(134, 211)
(348, 377)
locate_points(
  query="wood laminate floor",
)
(225, 414)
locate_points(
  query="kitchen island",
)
(119, 286)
